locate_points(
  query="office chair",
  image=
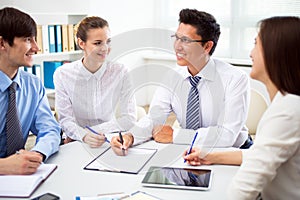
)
(258, 106)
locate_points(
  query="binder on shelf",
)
(58, 38)
(45, 39)
(71, 37)
(49, 69)
(65, 39)
(39, 38)
(51, 34)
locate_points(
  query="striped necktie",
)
(14, 136)
(193, 106)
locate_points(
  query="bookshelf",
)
(49, 19)
(55, 12)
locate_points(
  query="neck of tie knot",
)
(194, 80)
(12, 88)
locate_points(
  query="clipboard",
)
(132, 163)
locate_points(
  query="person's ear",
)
(2, 46)
(80, 43)
(208, 46)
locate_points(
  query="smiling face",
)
(21, 52)
(258, 71)
(97, 45)
(194, 55)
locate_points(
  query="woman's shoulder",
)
(288, 103)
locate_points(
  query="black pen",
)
(122, 141)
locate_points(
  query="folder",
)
(58, 38)
(49, 69)
(71, 37)
(65, 39)
(39, 38)
(51, 35)
(132, 163)
(45, 38)
(24, 185)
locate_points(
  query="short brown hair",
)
(280, 38)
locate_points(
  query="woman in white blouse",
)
(88, 91)
(270, 169)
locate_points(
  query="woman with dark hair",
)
(271, 167)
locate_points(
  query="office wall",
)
(124, 16)
(49, 6)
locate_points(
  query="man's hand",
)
(163, 134)
(93, 140)
(22, 163)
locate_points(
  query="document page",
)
(134, 160)
(24, 185)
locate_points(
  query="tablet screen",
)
(179, 178)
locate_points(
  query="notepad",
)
(24, 185)
(132, 163)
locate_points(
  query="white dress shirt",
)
(224, 100)
(84, 99)
(272, 165)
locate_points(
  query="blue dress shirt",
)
(34, 113)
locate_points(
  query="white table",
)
(71, 180)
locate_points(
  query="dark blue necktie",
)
(193, 120)
(14, 136)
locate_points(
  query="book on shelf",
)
(45, 38)
(71, 37)
(64, 38)
(51, 39)
(49, 69)
(58, 38)
(39, 38)
(55, 38)
(25, 185)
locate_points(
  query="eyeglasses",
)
(186, 40)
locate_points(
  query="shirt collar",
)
(88, 75)
(207, 73)
(6, 81)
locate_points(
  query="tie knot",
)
(13, 87)
(194, 80)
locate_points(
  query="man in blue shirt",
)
(17, 47)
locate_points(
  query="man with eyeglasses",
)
(208, 96)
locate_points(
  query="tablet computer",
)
(178, 178)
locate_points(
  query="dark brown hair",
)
(280, 38)
(205, 23)
(15, 23)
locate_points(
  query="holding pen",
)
(190, 150)
(94, 139)
(122, 141)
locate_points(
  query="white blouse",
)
(90, 99)
(272, 165)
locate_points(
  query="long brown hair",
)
(280, 37)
